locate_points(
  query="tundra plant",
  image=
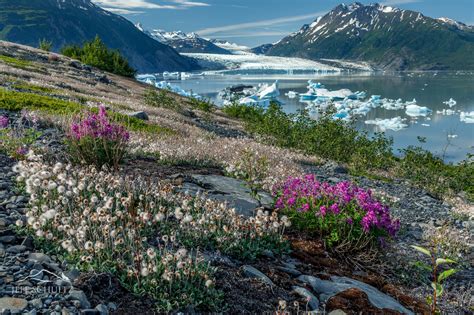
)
(345, 216)
(146, 234)
(252, 168)
(15, 137)
(434, 266)
(96, 140)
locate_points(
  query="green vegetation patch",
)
(16, 101)
(15, 62)
(95, 53)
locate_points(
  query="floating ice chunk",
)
(313, 85)
(467, 117)
(392, 105)
(375, 97)
(446, 112)
(452, 136)
(307, 97)
(408, 103)
(425, 125)
(269, 91)
(145, 77)
(338, 94)
(450, 103)
(395, 124)
(415, 110)
(171, 75)
(343, 114)
(254, 101)
(292, 94)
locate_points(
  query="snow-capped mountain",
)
(183, 42)
(388, 37)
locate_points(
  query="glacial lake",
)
(430, 89)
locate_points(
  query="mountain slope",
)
(74, 21)
(184, 43)
(388, 37)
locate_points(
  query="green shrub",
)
(246, 113)
(95, 53)
(160, 98)
(426, 170)
(204, 105)
(45, 45)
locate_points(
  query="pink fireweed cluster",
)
(3, 122)
(343, 210)
(98, 126)
(98, 141)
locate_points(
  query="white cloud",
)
(132, 4)
(190, 4)
(262, 23)
(122, 11)
(127, 5)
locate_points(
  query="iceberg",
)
(343, 114)
(395, 124)
(450, 103)
(415, 110)
(269, 91)
(292, 94)
(467, 117)
(254, 101)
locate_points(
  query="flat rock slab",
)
(233, 191)
(12, 304)
(252, 272)
(327, 289)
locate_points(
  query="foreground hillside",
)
(176, 227)
(388, 37)
(72, 22)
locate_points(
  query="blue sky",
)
(255, 22)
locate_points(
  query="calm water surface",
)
(429, 89)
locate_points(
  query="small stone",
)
(90, 312)
(313, 301)
(37, 303)
(39, 257)
(252, 272)
(290, 271)
(80, 296)
(17, 249)
(36, 274)
(112, 306)
(73, 274)
(140, 115)
(102, 309)
(7, 239)
(13, 304)
(337, 312)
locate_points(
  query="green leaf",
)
(422, 265)
(441, 261)
(438, 288)
(446, 274)
(422, 250)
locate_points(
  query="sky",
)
(256, 22)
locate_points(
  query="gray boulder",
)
(327, 289)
